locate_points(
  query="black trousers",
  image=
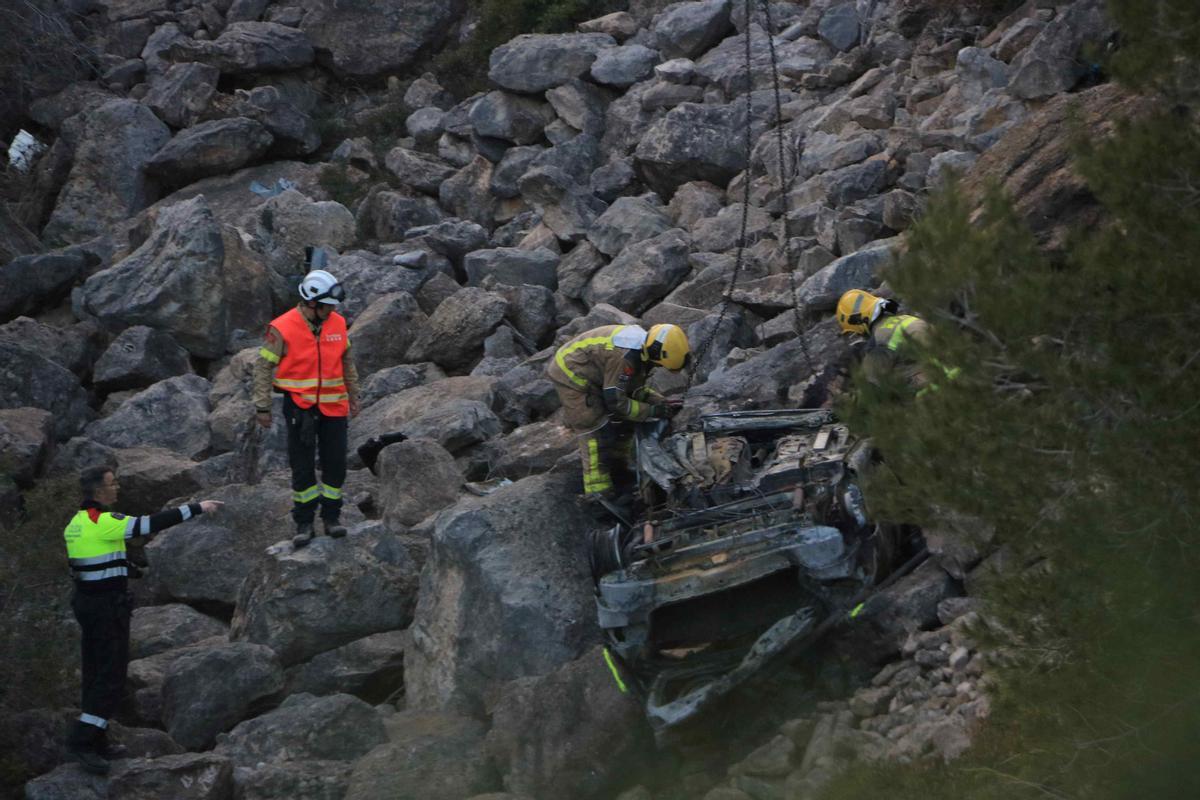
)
(312, 434)
(104, 617)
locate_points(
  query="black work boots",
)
(305, 531)
(84, 744)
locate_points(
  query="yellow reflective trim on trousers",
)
(306, 495)
(612, 667)
(595, 477)
(331, 492)
(267, 355)
(896, 325)
(560, 357)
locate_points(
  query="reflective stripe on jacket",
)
(96, 546)
(595, 364)
(311, 367)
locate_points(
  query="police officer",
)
(95, 541)
(308, 352)
(600, 378)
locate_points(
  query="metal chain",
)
(702, 349)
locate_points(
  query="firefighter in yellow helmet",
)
(887, 332)
(600, 376)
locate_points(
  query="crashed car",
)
(756, 541)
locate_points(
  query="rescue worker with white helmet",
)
(888, 334)
(306, 356)
(600, 378)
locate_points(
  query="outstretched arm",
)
(153, 523)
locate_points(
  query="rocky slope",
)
(446, 648)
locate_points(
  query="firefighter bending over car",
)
(308, 351)
(600, 376)
(888, 334)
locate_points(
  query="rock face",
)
(171, 414)
(304, 602)
(26, 439)
(365, 39)
(535, 62)
(458, 327)
(209, 691)
(417, 478)
(249, 47)
(157, 629)
(371, 668)
(691, 143)
(507, 572)
(107, 183)
(35, 280)
(306, 728)
(210, 148)
(139, 357)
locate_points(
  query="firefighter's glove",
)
(658, 411)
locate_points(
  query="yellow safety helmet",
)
(856, 311)
(667, 345)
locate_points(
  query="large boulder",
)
(643, 273)
(26, 441)
(466, 193)
(513, 266)
(571, 733)
(506, 573)
(398, 410)
(456, 425)
(532, 448)
(820, 292)
(205, 561)
(511, 117)
(417, 478)
(387, 215)
(375, 38)
(419, 171)
(107, 183)
(304, 602)
(566, 206)
(368, 277)
(157, 629)
(210, 690)
(248, 47)
(290, 221)
(152, 476)
(187, 776)
(145, 676)
(139, 357)
(371, 668)
(338, 727)
(534, 62)
(581, 105)
(172, 414)
(431, 756)
(686, 30)
(621, 67)
(458, 327)
(209, 148)
(391, 380)
(1052, 63)
(295, 780)
(577, 267)
(383, 332)
(181, 95)
(627, 221)
(178, 280)
(36, 281)
(74, 347)
(692, 143)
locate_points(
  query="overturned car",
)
(754, 543)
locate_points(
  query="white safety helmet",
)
(319, 286)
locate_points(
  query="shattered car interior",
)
(753, 540)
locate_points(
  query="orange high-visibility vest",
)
(311, 367)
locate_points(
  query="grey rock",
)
(294, 130)
(158, 46)
(422, 172)
(248, 47)
(513, 266)
(183, 93)
(466, 193)
(563, 734)
(535, 62)
(417, 478)
(559, 132)
(425, 125)
(26, 441)
(67, 782)
(530, 597)
(566, 207)
(620, 25)
(404, 407)
(856, 182)
(453, 238)
(531, 310)
(643, 273)
(390, 380)
(532, 448)
(374, 39)
(979, 73)
(425, 91)
(388, 215)
(383, 332)
(157, 629)
(691, 143)
(457, 150)
(431, 756)
(458, 327)
(679, 71)
(577, 157)
(693, 202)
(371, 668)
(39, 280)
(624, 66)
(581, 105)
(207, 691)
(840, 26)
(54, 110)
(297, 780)
(625, 122)
(576, 269)
(908, 606)
(1050, 64)
(290, 221)
(511, 117)
(824, 152)
(187, 776)
(456, 425)
(950, 162)
(303, 602)
(685, 30)
(106, 184)
(614, 179)
(627, 221)
(337, 727)
(140, 356)
(820, 292)
(210, 148)
(1017, 38)
(524, 394)
(724, 66)
(172, 413)
(515, 163)
(721, 233)
(665, 96)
